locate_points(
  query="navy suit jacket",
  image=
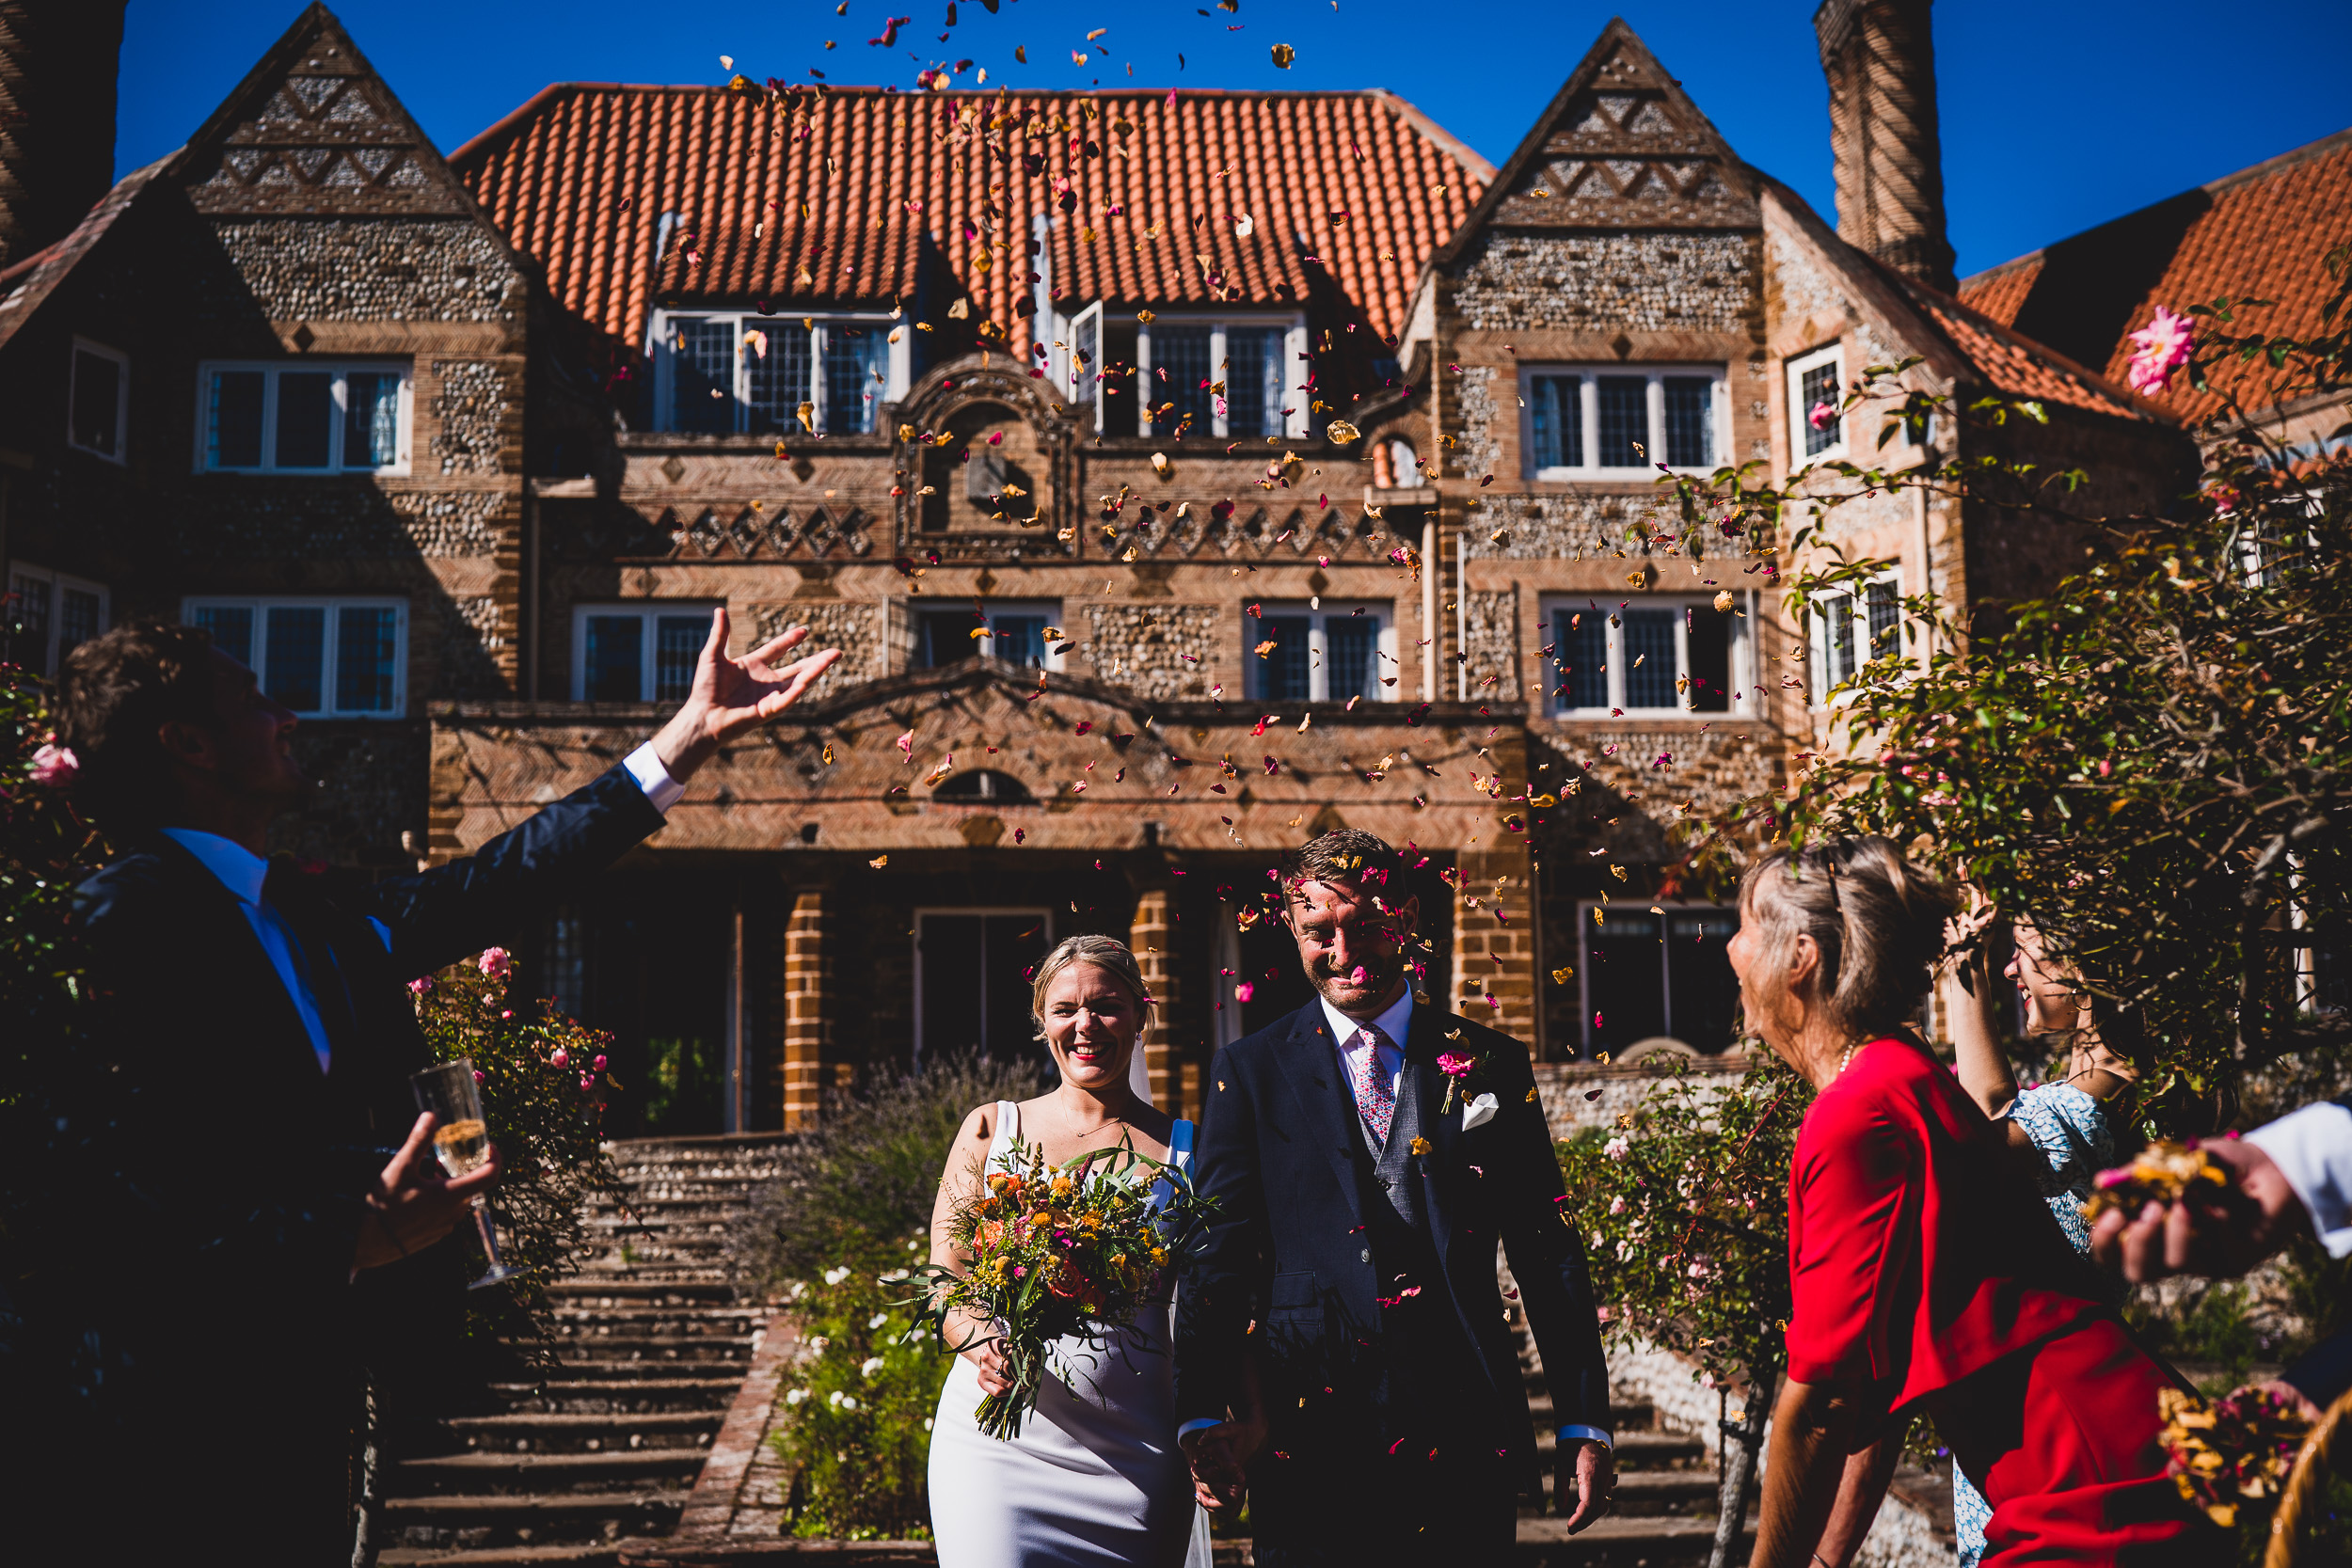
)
(225, 1175)
(1280, 1149)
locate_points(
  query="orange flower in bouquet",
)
(1075, 1250)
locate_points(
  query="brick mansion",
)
(1182, 473)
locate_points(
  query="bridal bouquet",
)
(2233, 1455)
(1074, 1249)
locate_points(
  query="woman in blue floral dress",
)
(2066, 1127)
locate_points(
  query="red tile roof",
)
(30, 280)
(2017, 365)
(579, 176)
(2261, 233)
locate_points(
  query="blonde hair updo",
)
(1877, 919)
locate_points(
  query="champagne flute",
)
(461, 1143)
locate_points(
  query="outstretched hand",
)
(731, 695)
(2218, 1234)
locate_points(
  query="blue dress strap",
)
(1179, 1155)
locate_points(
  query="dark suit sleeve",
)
(1546, 1255)
(1217, 1298)
(438, 917)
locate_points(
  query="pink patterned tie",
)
(1374, 1101)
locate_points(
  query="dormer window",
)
(724, 373)
(1232, 378)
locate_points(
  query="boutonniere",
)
(1458, 1065)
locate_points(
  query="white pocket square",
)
(1478, 1112)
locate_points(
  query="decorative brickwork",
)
(1494, 942)
(471, 407)
(1141, 646)
(374, 269)
(857, 629)
(807, 1007)
(1493, 646)
(1603, 282)
(1152, 939)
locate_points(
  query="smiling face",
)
(1092, 1022)
(2051, 1005)
(1351, 947)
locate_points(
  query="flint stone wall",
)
(857, 629)
(1138, 647)
(470, 406)
(1641, 281)
(373, 269)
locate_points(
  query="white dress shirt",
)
(243, 872)
(2313, 1149)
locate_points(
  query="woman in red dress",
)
(1927, 1273)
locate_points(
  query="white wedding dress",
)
(1096, 1477)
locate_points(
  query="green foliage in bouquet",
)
(854, 1418)
(544, 1090)
(1054, 1251)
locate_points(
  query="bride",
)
(1096, 1476)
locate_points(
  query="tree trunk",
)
(1744, 1441)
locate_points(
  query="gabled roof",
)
(2261, 233)
(1959, 343)
(1620, 145)
(25, 285)
(838, 187)
(313, 129)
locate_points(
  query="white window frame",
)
(991, 609)
(1588, 404)
(22, 572)
(334, 604)
(980, 1001)
(1741, 661)
(1319, 646)
(659, 350)
(1665, 911)
(649, 646)
(122, 398)
(1075, 381)
(1294, 325)
(273, 369)
(1852, 603)
(1799, 423)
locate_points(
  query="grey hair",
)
(1102, 952)
(1877, 920)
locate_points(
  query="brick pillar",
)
(807, 1009)
(1152, 938)
(1482, 936)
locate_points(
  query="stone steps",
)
(651, 1344)
(584, 1432)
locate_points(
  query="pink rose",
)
(1454, 1065)
(562, 1059)
(495, 962)
(1823, 417)
(480, 1076)
(2164, 346)
(422, 984)
(586, 1082)
(1244, 991)
(599, 1064)
(55, 766)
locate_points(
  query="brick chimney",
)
(58, 60)
(1880, 58)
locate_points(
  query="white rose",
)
(878, 1320)
(794, 1396)
(848, 1403)
(835, 1277)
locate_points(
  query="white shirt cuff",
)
(1585, 1434)
(654, 779)
(1198, 1424)
(2313, 1149)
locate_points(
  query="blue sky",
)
(2056, 114)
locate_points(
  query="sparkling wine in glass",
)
(461, 1142)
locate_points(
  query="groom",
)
(254, 1202)
(1342, 1343)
